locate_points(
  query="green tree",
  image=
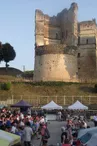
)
(8, 52)
(1, 55)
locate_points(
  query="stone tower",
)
(39, 28)
(74, 11)
(65, 49)
(60, 29)
(56, 45)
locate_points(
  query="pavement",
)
(55, 132)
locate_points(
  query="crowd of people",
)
(75, 121)
(70, 130)
(35, 124)
(26, 126)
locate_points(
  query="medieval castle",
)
(65, 49)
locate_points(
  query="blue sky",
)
(17, 24)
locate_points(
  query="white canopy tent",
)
(52, 105)
(77, 106)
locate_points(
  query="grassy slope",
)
(27, 90)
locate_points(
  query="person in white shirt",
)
(42, 120)
(14, 129)
(27, 134)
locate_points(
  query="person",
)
(95, 120)
(45, 134)
(83, 125)
(59, 115)
(27, 134)
(64, 139)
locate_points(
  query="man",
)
(45, 134)
(27, 134)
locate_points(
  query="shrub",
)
(6, 86)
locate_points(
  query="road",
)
(55, 132)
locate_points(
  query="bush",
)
(6, 86)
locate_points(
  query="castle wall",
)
(39, 28)
(54, 61)
(69, 25)
(87, 62)
(55, 66)
(87, 32)
(62, 28)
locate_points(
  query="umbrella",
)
(92, 141)
(8, 139)
(87, 135)
(84, 131)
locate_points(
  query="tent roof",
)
(7, 138)
(51, 105)
(21, 103)
(77, 105)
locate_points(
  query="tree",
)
(1, 55)
(8, 53)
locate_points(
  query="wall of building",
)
(57, 62)
(87, 50)
(69, 25)
(87, 62)
(55, 66)
(62, 28)
(39, 28)
(87, 32)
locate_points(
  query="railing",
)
(41, 100)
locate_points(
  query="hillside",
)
(41, 93)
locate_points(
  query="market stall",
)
(78, 106)
(51, 106)
(23, 105)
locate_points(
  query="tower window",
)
(87, 41)
(78, 40)
(56, 35)
(78, 55)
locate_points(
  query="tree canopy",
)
(7, 53)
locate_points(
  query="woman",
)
(64, 139)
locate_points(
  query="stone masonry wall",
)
(87, 62)
(59, 65)
(58, 29)
(65, 49)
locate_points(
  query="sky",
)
(17, 24)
